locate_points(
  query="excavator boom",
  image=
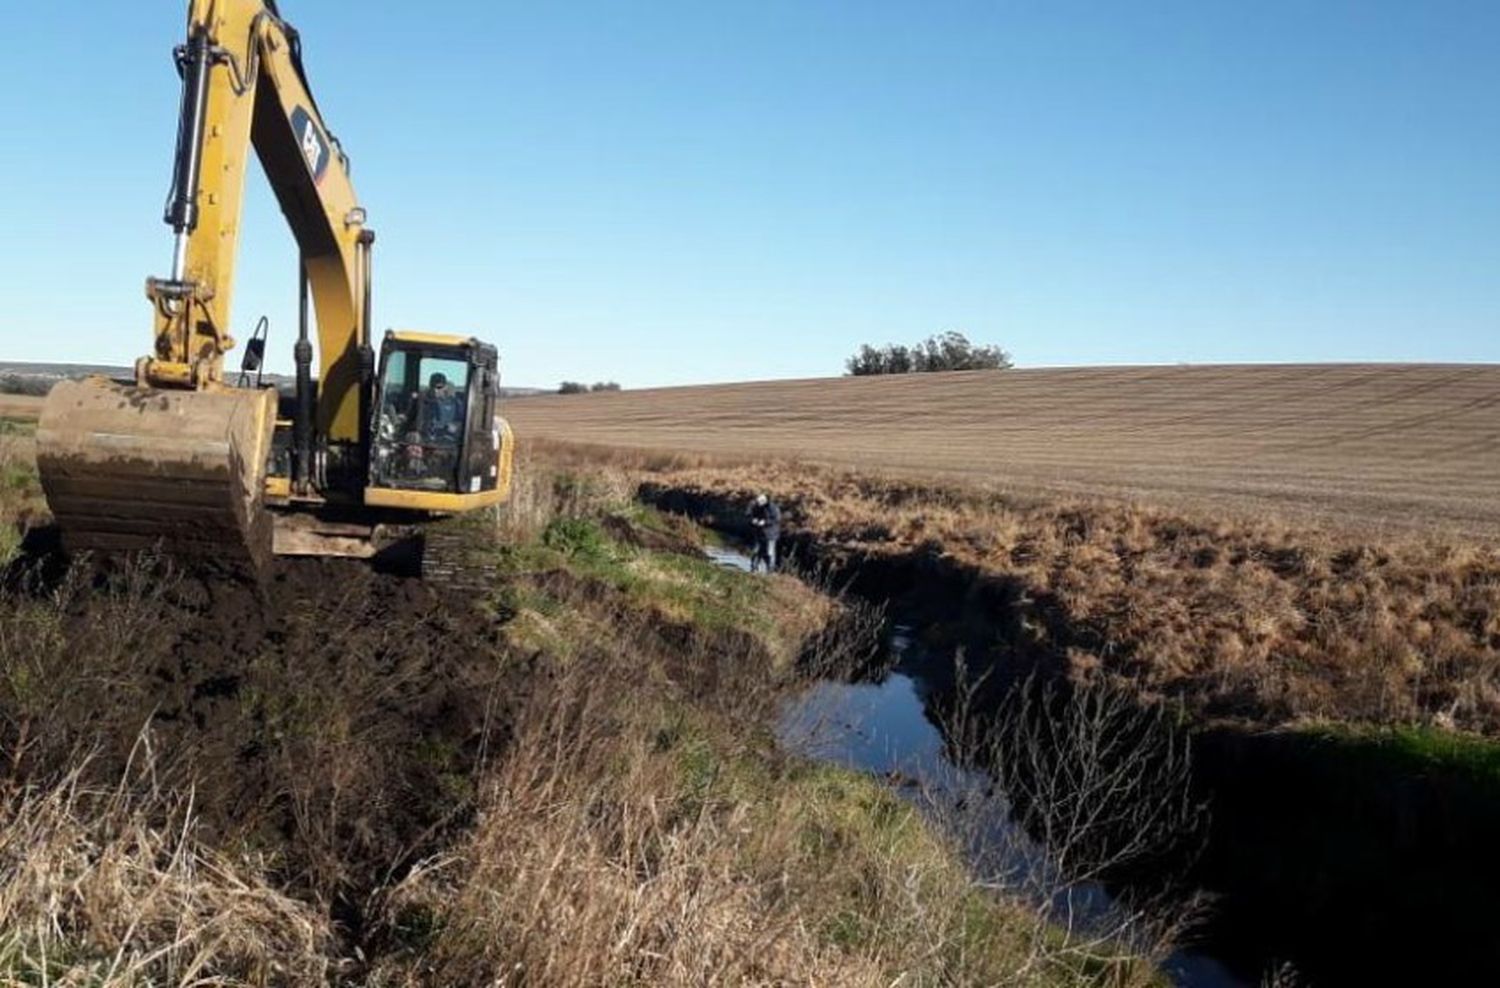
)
(179, 457)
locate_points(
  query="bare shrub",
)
(1103, 780)
(1282, 976)
(849, 646)
(1087, 816)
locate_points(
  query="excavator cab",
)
(437, 441)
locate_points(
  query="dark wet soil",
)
(331, 716)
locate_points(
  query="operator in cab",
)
(765, 518)
(442, 411)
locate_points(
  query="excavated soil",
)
(333, 717)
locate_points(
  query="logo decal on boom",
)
(314, 144)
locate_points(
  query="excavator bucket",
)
(127, 468)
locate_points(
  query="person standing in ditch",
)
(765, 518)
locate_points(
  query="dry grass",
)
(24, 408)
(643, 829)
(624, 816)
(600, 861)
(1390, 446)
(1244, 619)
(116, 888)
(21, 501)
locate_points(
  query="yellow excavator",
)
(345, 464)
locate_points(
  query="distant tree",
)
(952, 351)
(866, 360)
(948, 351)
(572, 388)
(605, 386)
(900, 359)
(36, 385)
(891, 359)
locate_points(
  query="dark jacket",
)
(770, 513)
(442, 414)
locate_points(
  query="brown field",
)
(1376, 445)
(1253, 621)
(20, 407)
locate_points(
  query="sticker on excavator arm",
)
(314, 144)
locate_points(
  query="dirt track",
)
(1399, 445)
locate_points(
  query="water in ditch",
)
(728, 557)
(1333, 855)
(885, 728)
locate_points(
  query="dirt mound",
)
(333, 717)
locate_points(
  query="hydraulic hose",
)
(182, 205)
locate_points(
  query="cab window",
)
(420, 421)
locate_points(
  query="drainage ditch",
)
(1326, 857)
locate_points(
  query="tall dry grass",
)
(601, 858)
(20, 491)
(644, 828)
(546, 486)
(117, 887)
(625, 816)
(1244, 618)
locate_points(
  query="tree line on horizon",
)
(950, 351)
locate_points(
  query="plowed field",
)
(1399, 445)
(19, 407)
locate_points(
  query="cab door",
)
(480, 471)
(420, 433)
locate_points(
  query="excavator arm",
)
(244, 86)
(179, 458)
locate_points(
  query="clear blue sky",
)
(677, 192)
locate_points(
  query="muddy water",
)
(885, 727)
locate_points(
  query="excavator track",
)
(460, 556)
